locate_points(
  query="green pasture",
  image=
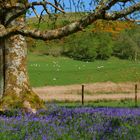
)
(100, 103)
(46, 70)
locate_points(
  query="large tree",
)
(15, 90)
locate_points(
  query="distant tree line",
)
(89, 46)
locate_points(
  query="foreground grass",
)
(46, 70)
(80, 123)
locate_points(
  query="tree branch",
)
(123, 13)
(78, 25)
(132, 20)
(7, 31)
(28, 6)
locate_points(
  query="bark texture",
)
(17, 90)
(1, 69)
(16, 79)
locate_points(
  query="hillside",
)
(113, 27)
(88, 43)
(59, 20)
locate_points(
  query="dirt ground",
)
(96, 91)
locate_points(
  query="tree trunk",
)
(16, 79)
(1, 69)
(17, 91)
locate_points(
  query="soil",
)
(96, 91)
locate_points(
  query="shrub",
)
(127, 45)
(84, 50)
(54, 51)
(104, 46)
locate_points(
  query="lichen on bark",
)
(18, 93)
(17, 90)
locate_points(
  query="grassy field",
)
(46, 70)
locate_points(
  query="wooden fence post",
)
(136, 97)
(82, 94)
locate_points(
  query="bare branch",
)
(123, 13)
(131, 20)
(99, 13)
(34, 10)
(79, 25)
(28, 6)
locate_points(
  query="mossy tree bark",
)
(17, 92)
(16, 79)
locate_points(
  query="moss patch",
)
(12, 101)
